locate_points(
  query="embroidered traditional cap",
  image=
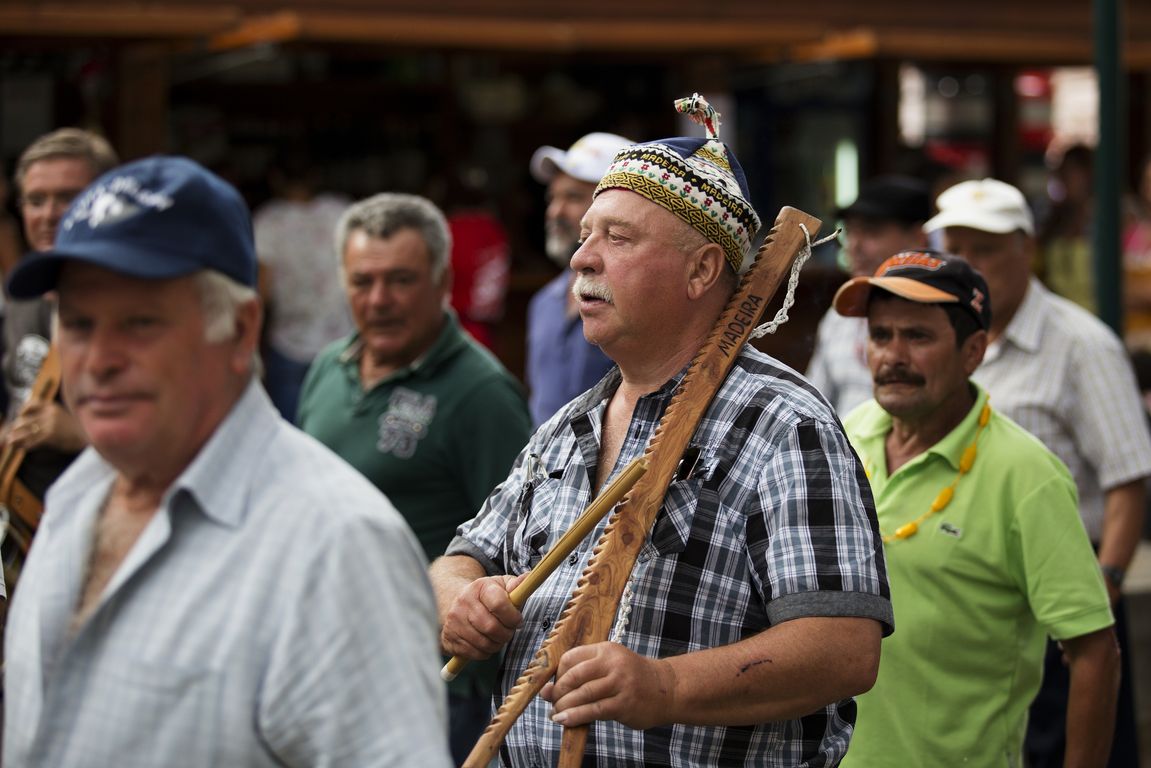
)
(156, 218)
(697, 179)
(586, 160)
(927, 277)
(892, 197)
(988, 205)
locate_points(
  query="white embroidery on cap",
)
(114, 200)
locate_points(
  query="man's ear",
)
(249, 317)
(445, 286)
(706, 267)
(973, 350)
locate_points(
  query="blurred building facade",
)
(398, 95)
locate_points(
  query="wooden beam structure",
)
(1040, 31)
(117, 20)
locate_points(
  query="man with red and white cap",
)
(561, 363)
(981, 536)
(1065, 377)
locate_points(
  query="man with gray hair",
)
(410, 400)
(208, 586)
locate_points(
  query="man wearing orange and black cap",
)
(981, 535)
(756, 609)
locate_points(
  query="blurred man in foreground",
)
(208, 586)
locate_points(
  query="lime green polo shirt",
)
(975, 592)
(436, 437)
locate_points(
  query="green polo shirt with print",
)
(975, 591)
(436, 437)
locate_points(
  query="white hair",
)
(221, 298)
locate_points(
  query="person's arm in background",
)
(1124, 507)
(47, 425)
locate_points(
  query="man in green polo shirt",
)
(413, 402)
(985, 550)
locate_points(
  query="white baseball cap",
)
(585, 160)
(988, 205)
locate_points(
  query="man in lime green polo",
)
(985, 550)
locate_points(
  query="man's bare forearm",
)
(785, 672)
(1094, 663)
(450, 575)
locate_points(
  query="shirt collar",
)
(219, 480)
(950, 448)
(1026, 328)
(446, 345)
(598, 395)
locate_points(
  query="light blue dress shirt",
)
(274, 612)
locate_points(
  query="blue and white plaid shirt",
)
(274, 612)
(774, 521)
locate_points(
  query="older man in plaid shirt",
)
(758, 603)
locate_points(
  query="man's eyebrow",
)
(608, 222)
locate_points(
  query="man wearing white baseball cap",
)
(560, 362)
(1065, 377)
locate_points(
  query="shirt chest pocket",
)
(528, 540)
(176, 707)
(686, 498)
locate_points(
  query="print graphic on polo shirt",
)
(405, 422)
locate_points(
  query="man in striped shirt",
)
(1062, 375)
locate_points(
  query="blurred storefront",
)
(451, 101)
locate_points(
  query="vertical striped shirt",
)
(1065, 377)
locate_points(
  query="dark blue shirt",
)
(561, 362)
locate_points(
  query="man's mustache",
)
(585, 286)
(899, 376)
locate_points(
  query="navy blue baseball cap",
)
(157, 218)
